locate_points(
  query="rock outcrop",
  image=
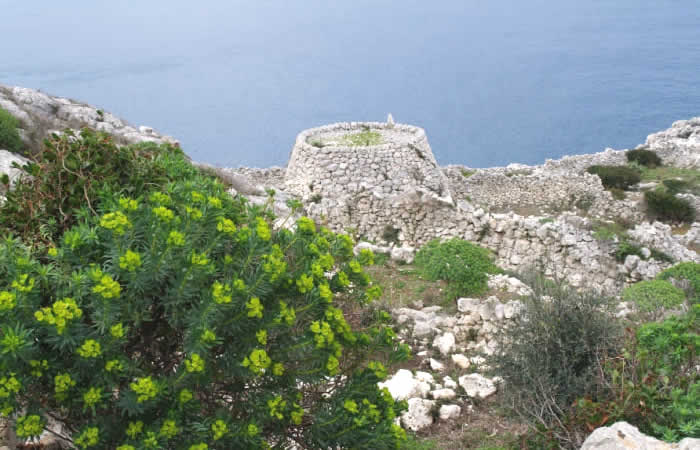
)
(623, 436)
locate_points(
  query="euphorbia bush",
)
(183, 320)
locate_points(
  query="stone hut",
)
(346, 158)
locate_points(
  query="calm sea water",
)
(492, 82)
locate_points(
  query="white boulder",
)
(476, 385)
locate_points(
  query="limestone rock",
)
(448, 412)
(443, 394)
(623, 436)
(476, 385)
(419, 414)
(460, 361)
(445, 343)
(403, 386)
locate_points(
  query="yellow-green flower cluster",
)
(355, 266)
(23, 283)
(226, 226)
(252, 430)
(63, 382)
(296, 415)
(193, 213)
(262, 229)
(185, 396)
(9, 385)
(200, 446)
(38, 367)
(197, 197)
(59, 314)
(257, 361)
(145, 389)
(115, 221)
(276, 407)
(126, 447)
(306, 225)
(199, 259)
(12, 341)
(287, 314)
(195, 364)
(343, 279)
(208, 336)
(278, 369)
(169, 429)
(107, 287)
(88, 438)
(176, 239)
(219, 429)
(378, 369)
(255, 308)
(52, 251)
(8, 300)
(351, 406)
(373, 292)
(324, 291)
(134, 429)
(221, 292)
(261, 336)
(274, 264)
(164, 214)
(117, 331)
(332, 365)
(29, 426)
(114, 365)
(305, 283)
(92, 397)
(160, 198)
(90, 349)
(151, 440)
(214, 202)
(323, 334)
(128, 204)
(130, 261)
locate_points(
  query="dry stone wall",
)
(322, 163)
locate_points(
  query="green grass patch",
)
(364, 138)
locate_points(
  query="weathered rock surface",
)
(623, 436)
(419, 414)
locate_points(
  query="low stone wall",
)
(332, 168)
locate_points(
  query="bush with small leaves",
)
(675, 186)
(68, 177)
(465, 266)
(653, 296)
(548, 357)
(620, 177)
(665, 206)
(9, 136)
(653, 383)
(647, 158)
(688, 274)
(181, 319)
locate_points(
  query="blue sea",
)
(492, 82)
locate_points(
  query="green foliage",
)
(179, 317)
(9, 136)
(467, 173)
(675, 186)
(687, 273)
(465, 266)
(390, 234)
(665, 206)
(68, 176)
(548, 357)
(644, 157)
(364, 138)
(652, 296)
(654, 383)
(620, 177)
(607, 231)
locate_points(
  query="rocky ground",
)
(549, 217)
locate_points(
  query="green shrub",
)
(620, 177)
(364, 138)
(675, 186)
(652, 296)
(644, 157)
(627, 248)
(68, 176)
(9, 137)
(654, 383)
(687, 272)
(465, 266)
(667, 207)
(180, 319)
(548, 356)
